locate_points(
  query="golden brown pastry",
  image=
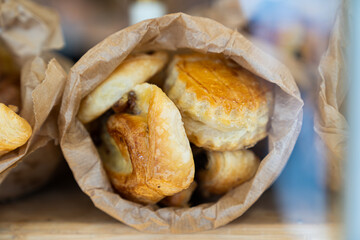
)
(14, 130)
(145, 149)
(134, 70)
(224, 107)
(180, 199)
(226, 170)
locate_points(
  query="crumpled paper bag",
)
(330, 122)
(174, 32)
(42, 86)
(27, 30)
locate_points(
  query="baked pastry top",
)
(134, 70)
(224, 106)
(220, 83)
(145, 149)
(14, 130)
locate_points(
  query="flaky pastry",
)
(14, 130)
(226, 170)
(134, 70)
(145, 149)
(224, 106)
(180, 199)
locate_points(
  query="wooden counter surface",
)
(62, 211)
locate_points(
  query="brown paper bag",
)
(330, 123)
(173, 32)
(41, 91)
(28, 30)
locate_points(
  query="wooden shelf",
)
(62, 211)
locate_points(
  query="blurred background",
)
(293, 25)
(295, 32)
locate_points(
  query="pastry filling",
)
(127, 104)
(118, 160)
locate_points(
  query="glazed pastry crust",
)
(147, 154)
(224, 107)
(134, 70)
(226, 170)
(14, 130)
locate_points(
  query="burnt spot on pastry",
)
(127, 104)
(120, 106)
(131, 102)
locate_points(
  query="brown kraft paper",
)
(330, 122)
(42, 87)
(28, 30)
(173, 32)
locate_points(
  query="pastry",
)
(145, 149)
(226, 170)
(14, 130)
(180, 199)
(224, 107)
(134, 70)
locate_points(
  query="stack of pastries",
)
(144, 131)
